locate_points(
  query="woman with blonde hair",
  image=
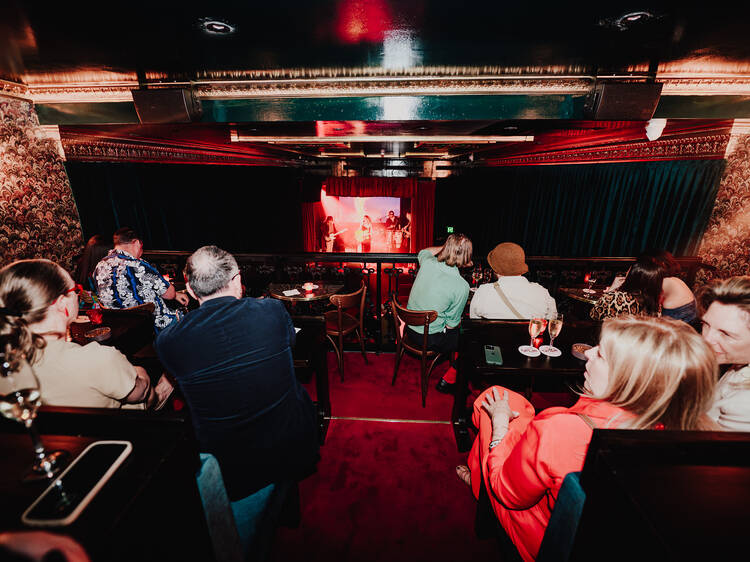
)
(646, 373)
(38, 302)
(440, 287)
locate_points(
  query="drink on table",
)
(554, 328)
(536, 327)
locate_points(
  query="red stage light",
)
(362, 20)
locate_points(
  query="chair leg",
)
(399, 355)
(362, 345)
(339, 358)
(426, 379)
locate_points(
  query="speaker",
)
(170, 105)
(622, 101)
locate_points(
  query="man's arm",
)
(142, 390)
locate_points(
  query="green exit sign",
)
(449, 229)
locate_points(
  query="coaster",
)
(550, 351)
(529, 351)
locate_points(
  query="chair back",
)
(412, 318)
(351, 300)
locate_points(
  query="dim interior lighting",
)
(236, 136)
(215, 26)
(654, 128)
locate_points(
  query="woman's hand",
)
(499, 411)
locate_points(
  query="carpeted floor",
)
(386, 490)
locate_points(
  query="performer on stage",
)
(327, 234)
(391, 227)
(364, 234)
(406, 230)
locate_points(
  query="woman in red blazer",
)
(646, 373)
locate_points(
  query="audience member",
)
(645, 373)
(512, 296)
(726, 328)
(439, 286)
(232, 358)
(37, 304)
(96, 248)
(677, 300)
(640, 293)
(124, 280)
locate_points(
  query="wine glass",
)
(20, 397)
(589, 279)
(555, 326)
(536, 327)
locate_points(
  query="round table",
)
(322, 291)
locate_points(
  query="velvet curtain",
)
(583, 210)
(422, 215)
(371, 187)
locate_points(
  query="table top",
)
(579, 294)
(129, 333)
(322, 291)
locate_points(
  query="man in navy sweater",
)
(232, 359)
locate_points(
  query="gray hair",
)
(209, 270)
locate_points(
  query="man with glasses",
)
(232, 358)
(124, 280)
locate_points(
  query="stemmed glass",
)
(589, 279)
(20, 397)
(554, 328)
(536, 327)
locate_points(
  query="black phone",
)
(492, 355)
(69, 494)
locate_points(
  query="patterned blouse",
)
(124, 281)
(616, 303)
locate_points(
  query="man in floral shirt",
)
(124, 280)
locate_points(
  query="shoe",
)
(445, 387)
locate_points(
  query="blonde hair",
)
(456, 251)
(661, 370)
(27, 289)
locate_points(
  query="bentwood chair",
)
(419, 318)
(340, 323)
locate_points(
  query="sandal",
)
(464, 474)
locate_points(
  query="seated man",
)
(726, 329)
(512, 296)
(232, 358)
(124, 280)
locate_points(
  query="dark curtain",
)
(583, 210)
(423, 216)
(183, 206)
(312, 218)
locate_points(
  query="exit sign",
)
(449, 229)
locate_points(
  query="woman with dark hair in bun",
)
(38, 301)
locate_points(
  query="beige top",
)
(89, 376)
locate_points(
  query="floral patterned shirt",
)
(124, 281)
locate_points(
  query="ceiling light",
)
(216, 26)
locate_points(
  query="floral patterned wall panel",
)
(726, 242)
(38, 216)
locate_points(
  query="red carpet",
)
(386, 491)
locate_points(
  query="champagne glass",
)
(589, 279)
(20, 397)
(555, 326)
(536, 327)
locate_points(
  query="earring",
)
(66, 312)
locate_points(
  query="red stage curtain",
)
(371, 187)
(311, 218)
(422, 215)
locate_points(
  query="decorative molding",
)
(685, 148)
(52, 133)
(14, 90)
(697, 85)
(107, 151)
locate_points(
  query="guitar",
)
(335, 234)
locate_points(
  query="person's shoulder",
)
(425, 256)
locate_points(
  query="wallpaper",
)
(38, 216)
(726, 242)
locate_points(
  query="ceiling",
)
(365, 86)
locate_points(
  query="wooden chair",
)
(340, 323)
(421, 318)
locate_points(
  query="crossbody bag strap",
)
(587, 419)
(506, 300)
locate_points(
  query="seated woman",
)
(440, 287)
(38, 302)
(646, 373)
(677, 300)
(96, 248)
(640, 293)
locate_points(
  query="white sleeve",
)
(551, 306)
(734, 411)
(476, 308)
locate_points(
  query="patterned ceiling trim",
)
(685, 148)
(104, 151)
(371, 86)
(14, 90)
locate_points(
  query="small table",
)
(517, 372)
(577, 293)
(322, 291)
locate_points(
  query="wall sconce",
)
(654, 128)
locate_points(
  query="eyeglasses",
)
(77, 289)
(235, 275)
